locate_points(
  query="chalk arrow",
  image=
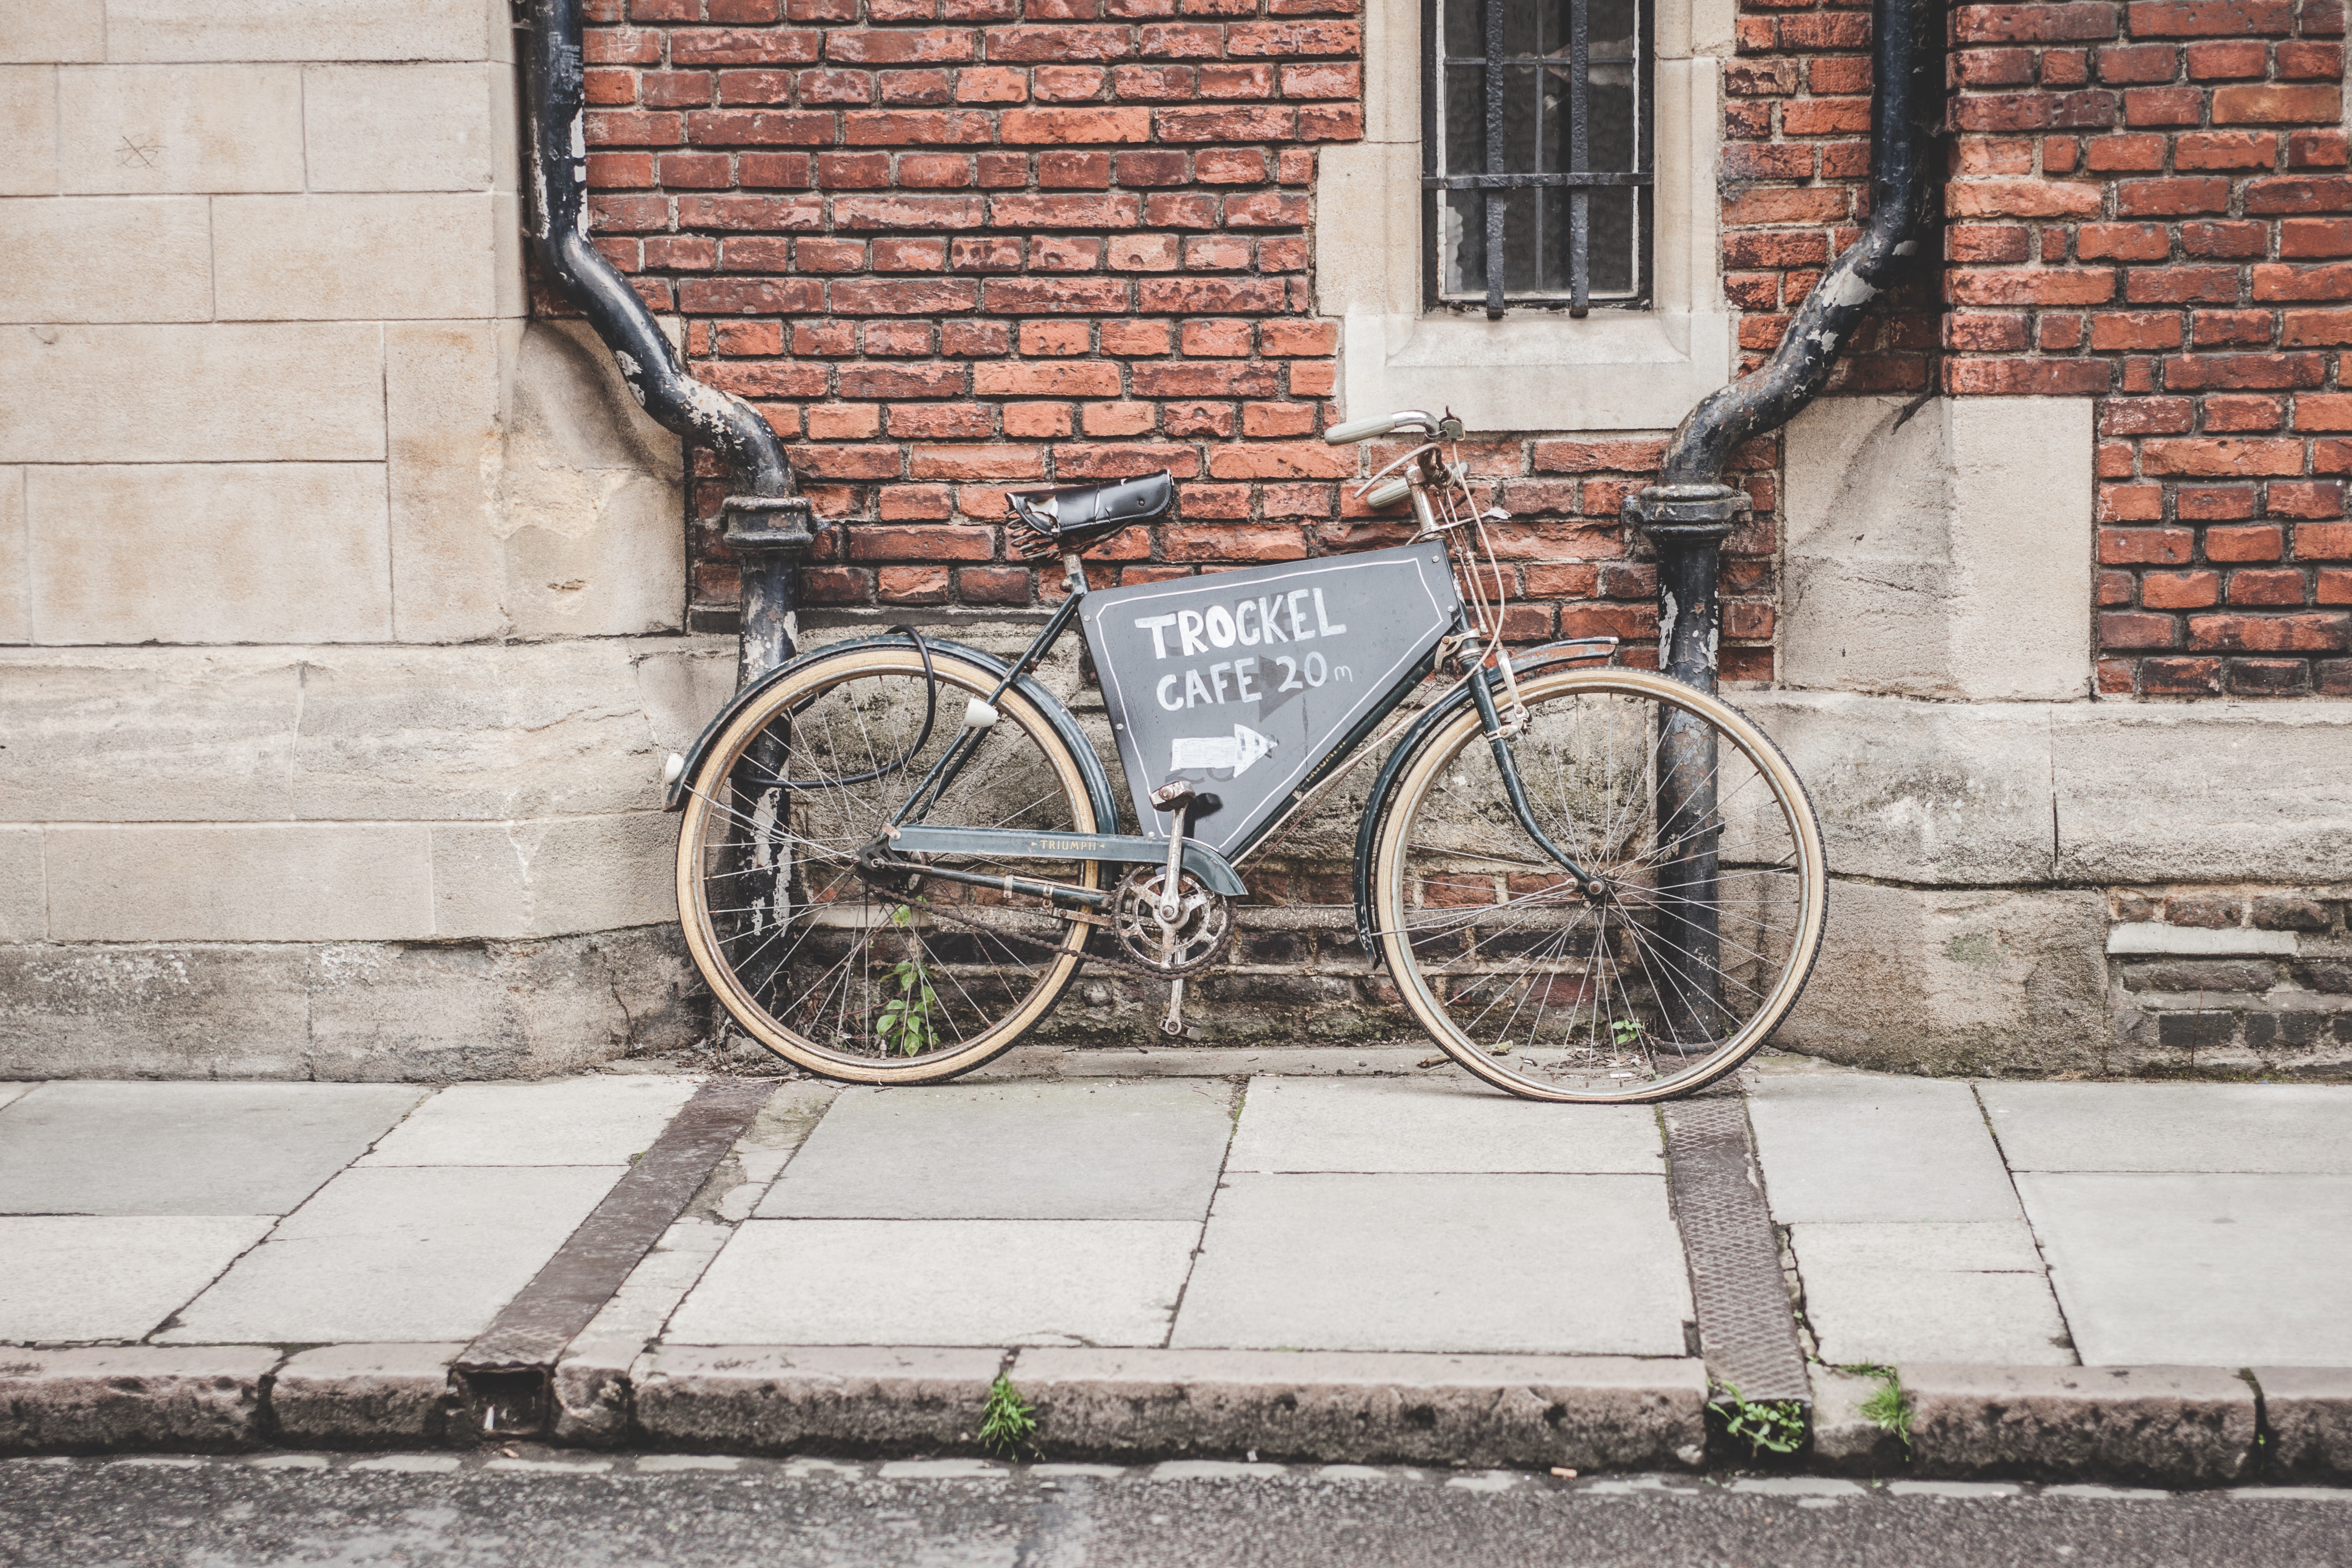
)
(1210, 753)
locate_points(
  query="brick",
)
(2264, 542)
(1058, 45)
(2123, 629)
(2180, 589)
(2026, 377)
(2208, 241)
(2209, 19)
(2301, 236)
(2315, 329)
(2022, 198)
(1068, 126)
(2124, 154)
(2085, 21)
(2146, 546)
(2181, 285)
(1223, 380)
(2244, 415)
(700, 46)
(2168, 198)
(2225, 150)
(2283, 282)
(2212, 503)
(935, 543)
(2320, 632)
(2324, 410)
(2203, 371)
(2115, 330)
(2298, 194)
(2222, 458)
(2163, 106)
(2274, 103)
(1264, 123)
(2137, 64)
(1021, 378)
(1204, 296)
(2236, 59)
(2123, 242)
(2032, 286)
(2276, 588)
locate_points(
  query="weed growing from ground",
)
(1768, 1426)
(1007, 1426)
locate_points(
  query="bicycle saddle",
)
(1056, 523)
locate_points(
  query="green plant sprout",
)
(1770, 1427)
(906, 1024)
(1625, 1032)
(1007, 1426)
(1888, 1408)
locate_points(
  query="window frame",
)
(1435, 182)
(1536, 369)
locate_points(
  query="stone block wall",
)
(341, 606)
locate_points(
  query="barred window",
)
(1537, 152)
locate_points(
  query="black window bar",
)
(1497, 179)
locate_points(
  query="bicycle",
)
(1588, 883)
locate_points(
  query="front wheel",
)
(825, 948)
(1674, 963)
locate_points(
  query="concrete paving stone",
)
(1567, 1265)
(355, 1395)
(1879, 1294)
(940, 1282)
(1860, 1146)
(673, 1464)
(411, 1464)
(397, 1257)
(2200, 1270)
(1422, 1125)
(2309, 1412)
(80, 1278)
(12, 1092)
(1576, 1411)
(769, 1145)
(942, 1470)
(2261, 1127)
(186, 1148)
(598, 1121)
(1015, 1151)
(136, 1396)
(288, 1462)
(2167, 1426)
(766, 1400)
(591, 1383)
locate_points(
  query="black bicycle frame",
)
(907, 834)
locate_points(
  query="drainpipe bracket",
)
(1688, 515)
(767, 522)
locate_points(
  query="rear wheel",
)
(838, 963)
(1703, 927)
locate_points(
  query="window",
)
(1411, 297)
(1536, 152)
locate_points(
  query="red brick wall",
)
(2149, 206)
(953, 245)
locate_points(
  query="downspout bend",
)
(767, 519)
(1905, 111)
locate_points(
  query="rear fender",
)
(1064, 722)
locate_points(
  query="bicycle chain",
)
(1109, 959)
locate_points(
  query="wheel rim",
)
(850, 973)
(1545, 990)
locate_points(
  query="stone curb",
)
(2177, 1427)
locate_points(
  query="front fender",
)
(1064, 722)
(1527, 663)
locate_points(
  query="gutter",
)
(766, 519)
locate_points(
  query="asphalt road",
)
(239, 1512)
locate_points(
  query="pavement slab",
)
(186, 1148)
(1442, 1125)
(940, 1282)
(2285, 1128)
(1878, 1294)
(79, 1277)
(12, 1090)
(1567, 1265)
(601, 1121)
(2205, 1270)
(1846, 1147)
(397, 1255)
(1097, 1151)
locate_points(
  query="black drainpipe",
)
(1691, 511)
(766, 520)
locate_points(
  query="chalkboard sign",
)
(1242, 680)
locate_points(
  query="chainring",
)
(1204, 925)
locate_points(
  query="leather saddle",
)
(1072, 520)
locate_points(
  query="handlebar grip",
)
(1361, 429)
(1388, 494)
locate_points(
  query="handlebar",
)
(1355, 430)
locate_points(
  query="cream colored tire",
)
(972, 995)
(1547, 993)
